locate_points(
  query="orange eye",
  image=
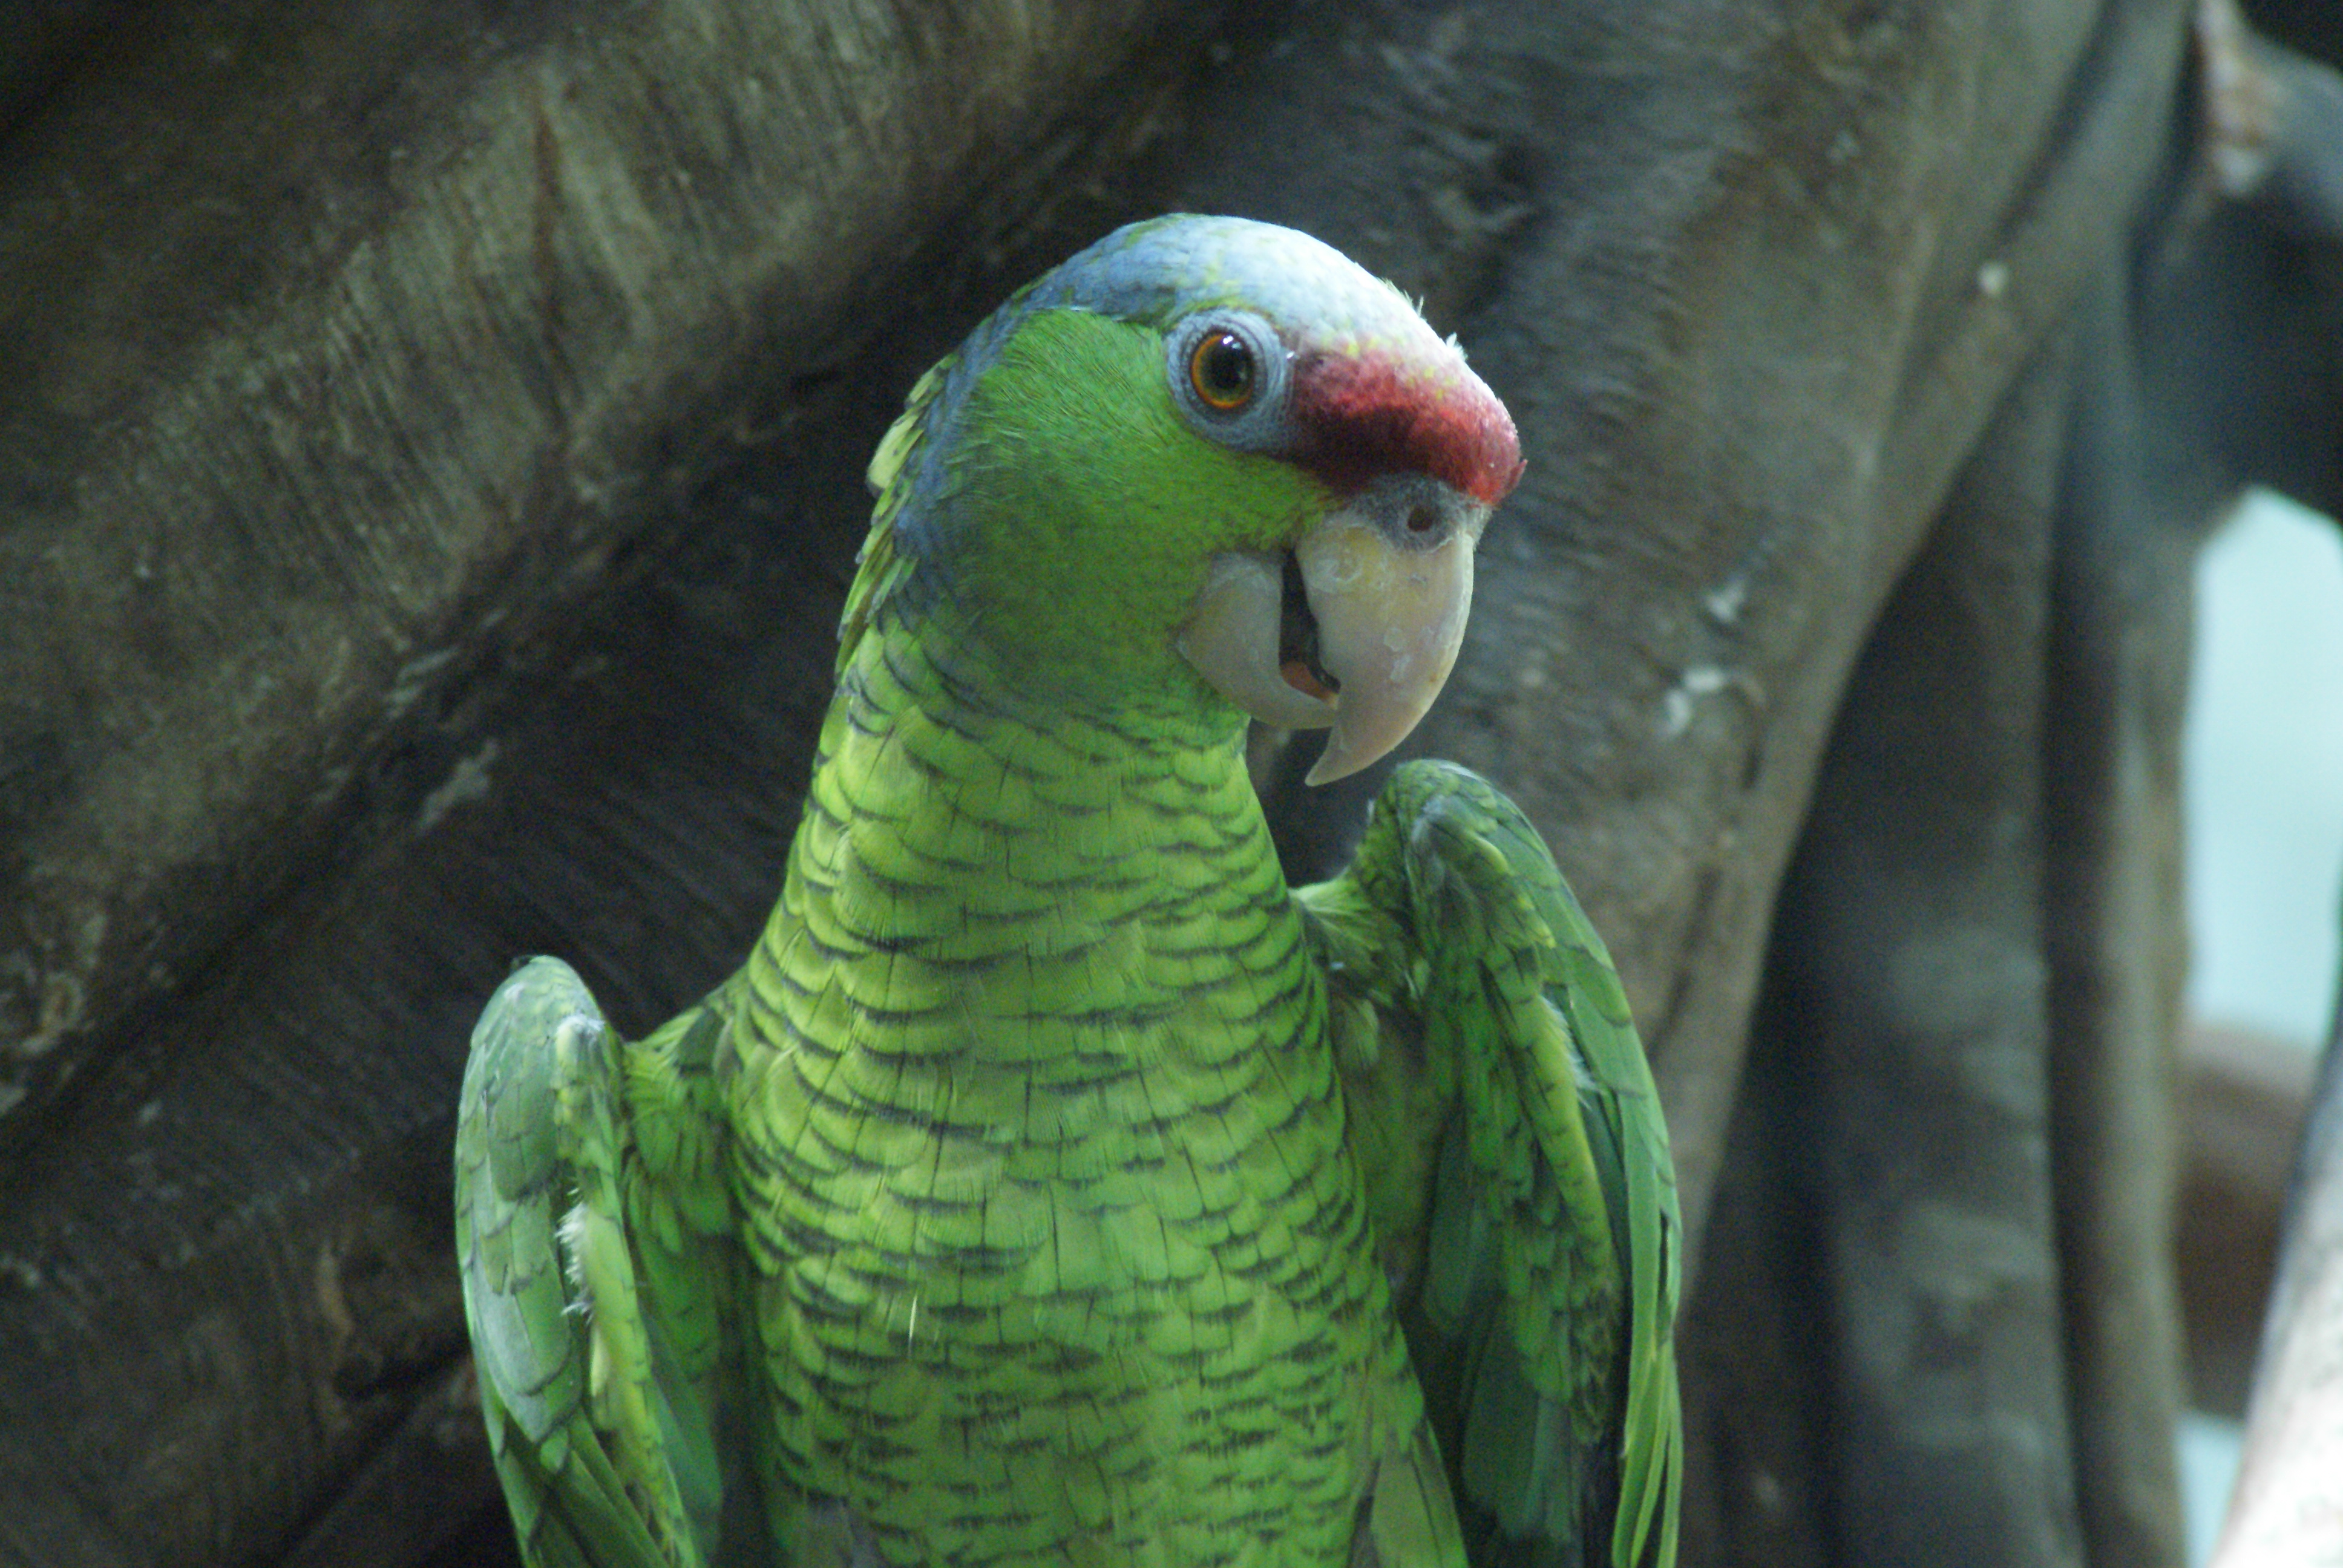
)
(1221, 371)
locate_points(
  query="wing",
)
(593, 1221)
(1518, 1166)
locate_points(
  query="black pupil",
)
(1225, 368)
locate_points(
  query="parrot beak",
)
(1388, 581)
(1356, 629)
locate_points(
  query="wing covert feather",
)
(1533, 1224)
(589, 1212)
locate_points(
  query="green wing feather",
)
(591, 1212)
(1519, 1167)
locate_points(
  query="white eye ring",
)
(1254, 417)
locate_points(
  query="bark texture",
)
(349, 350)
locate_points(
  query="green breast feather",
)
(1052, 1184)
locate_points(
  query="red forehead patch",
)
(1367, 414)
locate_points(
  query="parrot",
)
(1053, 1183)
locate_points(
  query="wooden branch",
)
(2116, 946)
(1910, 939)
(342, 351)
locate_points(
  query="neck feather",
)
(953, 813)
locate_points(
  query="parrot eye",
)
(1229, 374)
(1221, 368)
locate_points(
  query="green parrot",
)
(1053, 1185)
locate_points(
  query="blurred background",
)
(2265, 803)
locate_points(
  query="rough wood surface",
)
(2117, 950)
(348, 349)
(1910, 931)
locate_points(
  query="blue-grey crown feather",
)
(1153, 273)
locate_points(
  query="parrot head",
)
(1207, 459)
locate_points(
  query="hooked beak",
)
(1355, 629)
